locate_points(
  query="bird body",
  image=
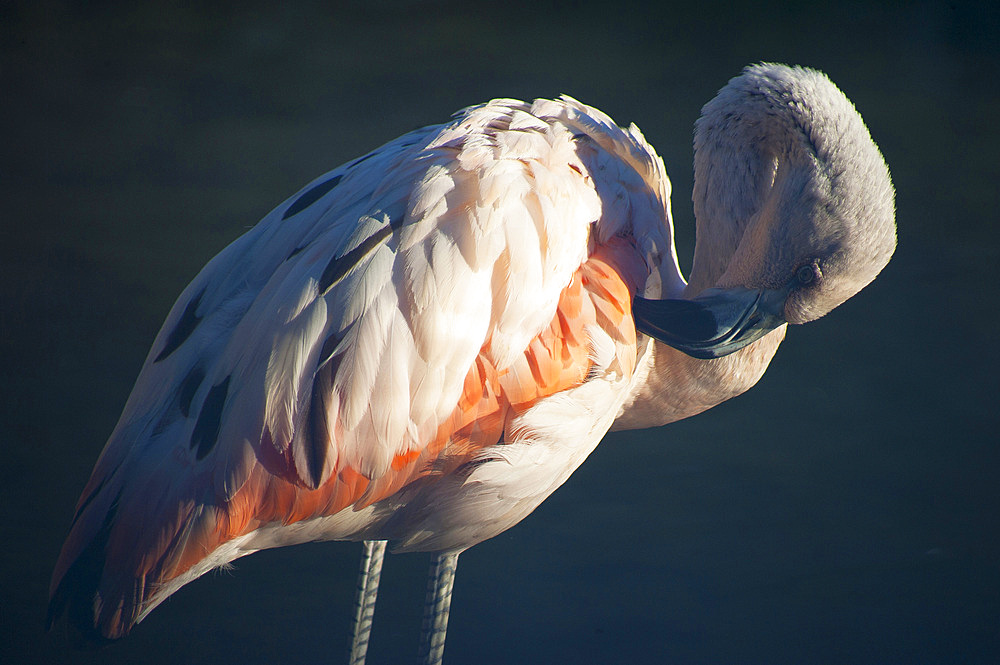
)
(405, 357)
(423, 344)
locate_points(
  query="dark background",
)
(844, 511)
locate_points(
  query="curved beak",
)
(715, 323)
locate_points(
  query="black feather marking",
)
(206, 429)
(318, 433)
(188, 322)
(182, 400)
(190, 385)
(361, 159)
(330, 345)
(341, 265)
(312, 195)
(79, 586)
(91, 497)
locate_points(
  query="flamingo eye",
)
(807, 274)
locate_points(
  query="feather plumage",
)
(381, 327)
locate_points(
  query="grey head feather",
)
(788, 177)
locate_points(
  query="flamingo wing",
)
(374, 328)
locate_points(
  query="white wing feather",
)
(397, 269)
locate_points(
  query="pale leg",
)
(364, 603)
(436, 608)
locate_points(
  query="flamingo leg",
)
(436, 608)
(364, 602)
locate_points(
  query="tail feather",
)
(74, 592)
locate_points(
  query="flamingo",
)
(421, 345)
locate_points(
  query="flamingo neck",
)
(670, 385)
